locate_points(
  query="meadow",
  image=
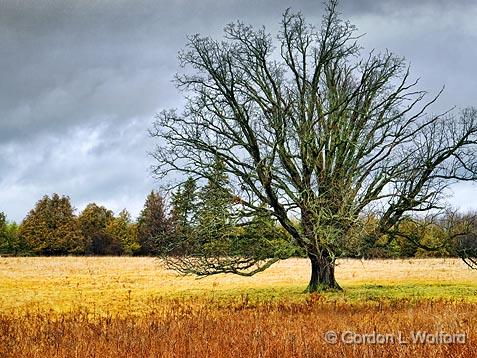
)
(132, 307)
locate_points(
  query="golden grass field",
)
(132, 307)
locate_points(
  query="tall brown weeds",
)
(239, 328)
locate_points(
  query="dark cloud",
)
(404, 7)
(80, 81)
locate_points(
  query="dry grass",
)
(180, 328)
(131, 307)
(117, 284)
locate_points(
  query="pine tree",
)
(214, 213)
(51, 228)
(153, 226)
(184, 205)
(183, 218)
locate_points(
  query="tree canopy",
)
(51, 228)
(93, 221)
(321, 133)
(153, 225)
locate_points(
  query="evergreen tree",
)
(154, 227)
(183, 218)
(124, 232)
(184, 205)
(51, 228)
(215, 203)
(93, 222)
(263, 238)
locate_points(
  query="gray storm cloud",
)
(81, 81)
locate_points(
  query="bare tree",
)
(319, 133)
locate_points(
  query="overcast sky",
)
(80, 82)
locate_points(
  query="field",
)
(132, 307)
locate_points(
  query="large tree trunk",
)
(322, 273)
(322, 262)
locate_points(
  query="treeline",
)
(52, 228)
(198, 220)
(192, 220)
